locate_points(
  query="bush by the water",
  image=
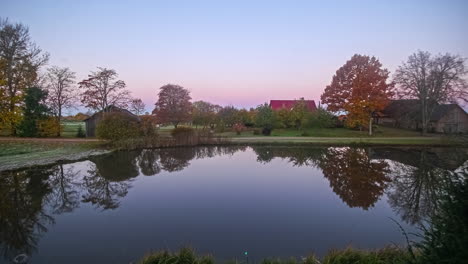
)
(185, 136)
(446, 240)
(148, 126)
(182, 131)
(117, 126)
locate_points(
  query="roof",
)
(112, 108)
(411, 109)
(288, 104)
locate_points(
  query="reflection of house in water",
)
(435, 157)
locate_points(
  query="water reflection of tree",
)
(65, 195)
(22, 215)
(153, 161)
(294, 155)
(117, 166)
(416, 190)
(102, 192)
(108, 179)
(354, 176)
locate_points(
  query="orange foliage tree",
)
(359, 88)
(173, 105)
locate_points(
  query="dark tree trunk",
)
(12, 124)
(424, 117)
(58, 121)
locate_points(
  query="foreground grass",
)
(16, 154)
(393, 255)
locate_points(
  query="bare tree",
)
(432, 80)
(137, 106)
(60, 85)
(102, 89)
(20, 62)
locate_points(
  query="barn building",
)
(92, 121)
(446, 118)
(288, 104)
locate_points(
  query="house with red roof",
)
(288, 104)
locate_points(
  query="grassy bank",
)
(331, 132)
(327, 141)
(393, 255)
(25, 153)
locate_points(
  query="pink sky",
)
(242, 53)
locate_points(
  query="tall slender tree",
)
(359, 88)
(432, 80)
(20, 60)
(62, 93)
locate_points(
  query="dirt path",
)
(59, 140)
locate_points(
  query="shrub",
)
(265, 118)
(117, 126)
(148, 126)
(391, 255)
(80, 133)
(306, 134)
(266, 131)
(238, 127)
(182, 132)
(321, 119)
(184, 135)
(48, 127)
(446, 240)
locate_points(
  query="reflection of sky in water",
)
(222, 205)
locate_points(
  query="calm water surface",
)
(269, 201)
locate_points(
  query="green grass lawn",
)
(71, 128)
(345, 132)
(329, 132)
(29, 152)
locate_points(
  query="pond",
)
(269, 201)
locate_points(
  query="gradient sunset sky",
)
(242, 53)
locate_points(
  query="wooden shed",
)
(92, 121)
